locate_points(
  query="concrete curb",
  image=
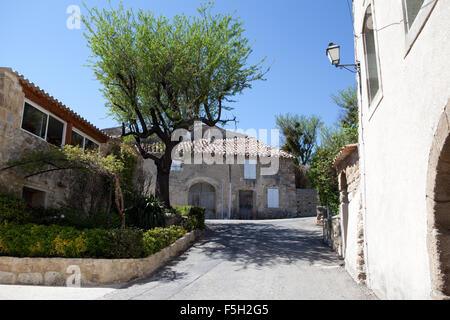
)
(88, 272)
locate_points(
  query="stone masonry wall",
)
(225, 177)
(352, 216)
(59, 186)
(307, 202)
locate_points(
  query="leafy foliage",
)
(37, 162)
(30, 240)
(322, 174)
(157, 239)
(146, 213)
(13, 209)
(300, 135)
(160, 75)
(195, 219)
(347, 100)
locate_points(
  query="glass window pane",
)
(77, 139)
(412, 10)
(371, 56)
(55, 131)
(90, 145)
(34, 120)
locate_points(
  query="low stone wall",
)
(332, 231)
(93, 272)
(307, 202)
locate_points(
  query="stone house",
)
(234, 185)
(395, 184)
(31, 119)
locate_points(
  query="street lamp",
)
(334, 54)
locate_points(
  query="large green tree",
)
(300, 135)
(347, 100)
(160, 75)
(322, 174)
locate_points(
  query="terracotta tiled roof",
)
(243, 146)
(344, 153)
(37, 90)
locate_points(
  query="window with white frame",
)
(42, 124)
(82, 141)
(272, 198)
(371, 57)
(412, 9)
(250, 169)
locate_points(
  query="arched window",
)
(412, 8)
(373, 81)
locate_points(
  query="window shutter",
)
(250, 169)
(272, 198)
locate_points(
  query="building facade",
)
(404, 149)
(234, 186)
(31, 119)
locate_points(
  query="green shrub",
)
(183, 210)
(74, 218)
(125, 243)
(32, 240)
(159, 238)
(13, 209)
(195, 217)
(146, 213)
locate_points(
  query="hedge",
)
(13, 209)
(159, 238)
(195, 217)
(31, 240)
(66, 242)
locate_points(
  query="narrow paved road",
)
(282, 259)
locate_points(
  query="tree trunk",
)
(119, 200)
(162, 178)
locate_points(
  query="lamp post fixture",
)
(334, 54)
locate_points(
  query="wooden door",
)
(245, 205)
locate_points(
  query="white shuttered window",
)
(250, 169)
(272, 198)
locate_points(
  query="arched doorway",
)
(203, 195)
(438, 206)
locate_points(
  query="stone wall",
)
(60, 187)
(351, 213)
(332, 235)
(93, 272)
(307, 202)
(227, 181)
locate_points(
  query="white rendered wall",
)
(395, 138)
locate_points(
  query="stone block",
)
(7, 277)
(30, 279)
(53, 278)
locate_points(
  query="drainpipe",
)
(229, 203)
(229, 192)
(221, 214)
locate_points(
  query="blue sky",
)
(293, 34)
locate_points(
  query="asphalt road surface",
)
(254, 260)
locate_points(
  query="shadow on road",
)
(265, 244)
